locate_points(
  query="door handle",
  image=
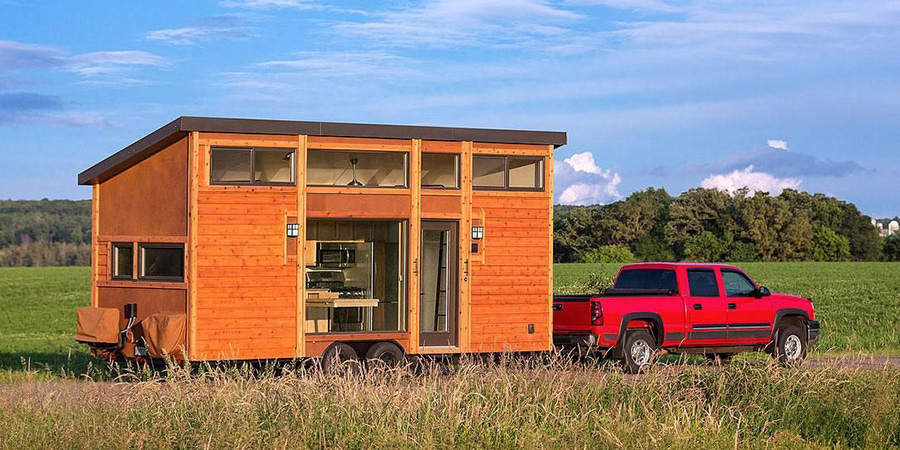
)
(698, 306)
(732, 306)
(415, 266)
(557, 306)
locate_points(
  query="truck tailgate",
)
(571, 313)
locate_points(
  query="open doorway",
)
(438, 284)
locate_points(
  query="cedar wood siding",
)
(145, 203)
(246, 287)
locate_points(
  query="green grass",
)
(857, 303)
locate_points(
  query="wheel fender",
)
(646, 317)
(781, 313)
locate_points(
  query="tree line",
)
(45, 232)
(708, 225)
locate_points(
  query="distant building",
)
(887, 227)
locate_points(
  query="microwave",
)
(335, 254)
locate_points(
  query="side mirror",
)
(763, 292)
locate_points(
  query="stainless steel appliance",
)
(336, 254)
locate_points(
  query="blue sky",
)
(767, 94)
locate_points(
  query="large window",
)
(702, 283)
(356, 169)
(123, 261)
(660, 279)
(253, 166)
(737, 284)
(508, 172)
(161, 262)
(440, 171)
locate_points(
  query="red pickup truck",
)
(710, 309)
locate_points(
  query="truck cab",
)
(711, 309)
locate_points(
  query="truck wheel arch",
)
(781, 314)
(658, 331)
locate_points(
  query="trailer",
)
(241, 239)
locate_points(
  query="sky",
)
(720, 94)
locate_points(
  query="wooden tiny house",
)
(277, 239)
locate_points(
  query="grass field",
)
(857, 303)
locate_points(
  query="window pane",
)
(525, 173)
(703, 283)
(162, 262)
(229, 166)
(273, 166)
(488, 171)
(123, 256)
(736, 284)
(371, 169)
(662, 279)
(440, 170)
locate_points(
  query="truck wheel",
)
(790, 348)
(639, 350)
(387, 353)
(339, 356)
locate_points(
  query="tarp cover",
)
(97, 325)
(164, 334)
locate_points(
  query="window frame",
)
(252, 177)
(115, 261)
(538, 178)
(715, 281)
(740, 274)
(458, 172)
(140, 265)
(406, 171)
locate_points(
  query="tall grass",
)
(538, 402)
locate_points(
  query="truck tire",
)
(790, 345)
(639, 350)
(339, 356)
(386, 353)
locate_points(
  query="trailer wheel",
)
(790, 345)
(339, 356)
(387, 353)
(639, 351)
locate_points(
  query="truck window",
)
(703, 283)
(662, 279)
(736, 284)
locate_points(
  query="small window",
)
(356, 169)
(254, 166)
(123, 261)
(440, 171)
(508, 172)
(737, 284)
(703, 283)
(660, 279)
(162, 262)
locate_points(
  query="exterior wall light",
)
(477, 232)
(293, 230)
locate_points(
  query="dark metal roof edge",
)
(176, 129)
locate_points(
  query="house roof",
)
(180, 127)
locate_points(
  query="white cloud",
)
(228, 26)
(581, 181)
(346, 64)
(98, 63)
(778, 144)
(753, 181)
(268, 4)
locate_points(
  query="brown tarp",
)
(164, 334)
(97, 325)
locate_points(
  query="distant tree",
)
(704, 247)
(740, 251)
(829, 246)
(610, 254)
(892, 248)
(653, 247)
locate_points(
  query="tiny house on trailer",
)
(238, 239)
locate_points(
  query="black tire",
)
(790, 345)
(638, 344)
(339, 356)
(386, 353)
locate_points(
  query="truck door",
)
(705, 308)
(749, 318)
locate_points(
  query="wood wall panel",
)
(511, 282)
(441, 206)
(246, 303)
(150, 198)
(357, 206)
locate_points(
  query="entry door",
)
(438, 283)
(705, 303)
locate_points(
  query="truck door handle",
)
(698, 306)
(557, 307)
(732, 306)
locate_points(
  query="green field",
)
(857, 303)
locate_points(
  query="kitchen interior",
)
(355, 276)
